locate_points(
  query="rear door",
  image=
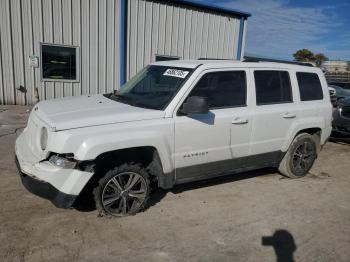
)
(274, 113)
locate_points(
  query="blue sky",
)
(277, 28)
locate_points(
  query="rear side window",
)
(309, 86)
(222, 89)
(272, 87)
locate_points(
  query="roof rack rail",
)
(258, 59)
(207, 58)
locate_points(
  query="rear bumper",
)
(45, 190)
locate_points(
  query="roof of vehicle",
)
(231, 63)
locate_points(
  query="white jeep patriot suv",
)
(174, 122)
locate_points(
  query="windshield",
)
(153, 87)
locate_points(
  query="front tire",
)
(300, 157)
(123, 190)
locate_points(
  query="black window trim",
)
(290, 82)
(313, 100)
(214, 70)
(78, 64)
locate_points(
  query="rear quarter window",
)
(310, 87)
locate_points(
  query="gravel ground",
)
(255, 216)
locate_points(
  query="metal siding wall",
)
(177, 30)
(90, 24)
(1, 80)
(6, 51)
(244, 38)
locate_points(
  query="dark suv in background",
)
(341, 117)
(340, 98)
(339, 92)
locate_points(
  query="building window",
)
(309, 87)
(222, 89)
(166, 58)
(272, 87)
(59, 63)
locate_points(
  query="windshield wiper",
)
(128, 100)
(122, 98)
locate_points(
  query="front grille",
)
(345, 111)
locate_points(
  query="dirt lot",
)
(256, 216)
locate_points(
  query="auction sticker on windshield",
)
(176, 73)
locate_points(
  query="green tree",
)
(319, 59)
(304, 55)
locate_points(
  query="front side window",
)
(59, 62)
(222, 89)
(309, 86)
(153, 87)
(272, 87)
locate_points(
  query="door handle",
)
(239, 121)
(289, 115)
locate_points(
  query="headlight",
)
(43, 138)
(62, 162)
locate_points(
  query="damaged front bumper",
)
(42, 178)
(45, 190)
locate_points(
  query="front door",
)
(205, 144)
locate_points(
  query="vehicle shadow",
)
(283, 244)
(85, 201)
(159, 193)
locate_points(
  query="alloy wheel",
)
(124, 194)
(303, 157)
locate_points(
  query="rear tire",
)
(300, 157)
(122, 191)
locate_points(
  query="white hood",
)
(84, 111)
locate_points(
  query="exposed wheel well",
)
(143, 155)
(311, 131)
(147, 156)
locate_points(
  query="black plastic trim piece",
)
(224, 167)
(45, 190)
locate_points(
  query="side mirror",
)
(195, 105)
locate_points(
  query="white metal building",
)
(56, 48)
